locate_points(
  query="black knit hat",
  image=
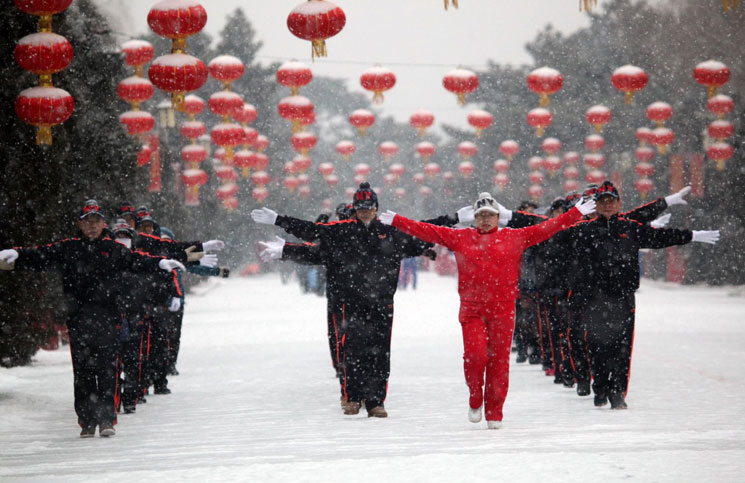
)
(365, 198)
(90, 207)
(590, 192)
(126, 209)
(121, 226)
(143, 214)
(607, 189)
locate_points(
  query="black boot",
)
(583, 388)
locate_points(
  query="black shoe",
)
(617, 401)
(521, 358)
(600, 400)
(173, 371)
(583, 388)
(141, 400)
(534, 358)
(106, 430)
(161, 390)
(88, 431)
(129, 408)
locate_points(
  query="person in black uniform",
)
(363, 259)
(90, 266)
(606, 256)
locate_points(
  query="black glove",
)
(223, 272)
(429, 253)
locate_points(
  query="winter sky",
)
(417, 39)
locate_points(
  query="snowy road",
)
(257, 401)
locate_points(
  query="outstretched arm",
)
(447, 237)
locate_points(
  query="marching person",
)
(90, 266)
(488, 264)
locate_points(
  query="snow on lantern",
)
(226, 174)
(720, 105)
(397, 170)
(44, 9)
(594, 142)
(291, 183)
(535, 163)
(418, 178)
(432, 170)
(421, 120)
(177, 20)
(571, 172)
(245, 160)
(193, 179)
(425, 149)
(225, 104)
(644, 136)
(460, 82)
(598, 116)
(536, 177)
(227, 135)
(711, 74)
(290, 168)
(260, 178)
(399, 193)
(388, 149)
(552, 164)
(644, 170)
(594, 160)
(294, 74)
(193, 105)
(325, 169)
(545, 81)
(193, 154)
(721, 130)
(480, 120)
(501, 181)
(425, 191)
(720, 153)
(467, 150)
(551, 146)
(540, 119)
(246, 114)
(659, 112)
(644, 186)
(509, 148)
(378, 80)
(571, 158)
(316, 20)
(135, 90)
(332, 180)
(230, 204)
(629, 79)
(249, 136)
(303, 179)
(177, 74)
(302, 163)
(261, 143)
(535, 192)
(260, 193)
(303, 142)
(644, 154)
(345, 149)
(219, 154)
(361, 119)
(389, 179)
(501, 166)
(226, 69)
(295, 109)
(137, 122)
(137, 53)
(44, 54)
(662, 137)
(570, 185)
(594, 176)
(362, 169)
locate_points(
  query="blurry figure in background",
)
(127, 212)
(527, 326)
(409, 267)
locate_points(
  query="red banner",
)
(697, 175)
(677, 173)
(155, 178)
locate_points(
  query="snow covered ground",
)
(257, 401)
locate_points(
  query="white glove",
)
(8, 259)
(660, 222)
(208, 260)
(175, 304)
(505, 215)
(586, 206)
(213, 245)
(710, 237)
(273, 249)
(264, 216)
(677, 198)
(168, 265)
(465, 215)
(387, 217)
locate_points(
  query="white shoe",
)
(494, 424)
(474, 415)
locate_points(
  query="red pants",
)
(487, 337)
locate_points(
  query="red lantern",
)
(295, 109)
(261, 161)
(294, 74)
(226, 174)
(193, 105)
(421, 120)
(362, 119)
(260, 194)
(325, 169)
(177, 19)
(399, 193)
(135, 90)
(389, 179)
(246, 114)
(332, 180)
(662, 137)
(230, 204)
(219, 154)
(535, 192)
(193, 153)
(570, 185)
(388, 149)
(418, 178)
(594, 160)
(316, 20)
(720, 105)
(551, 145)
(571, 158)
(501, 181)
(535, 163)
(225, 104)
(44, 54)
(137, 53)
(137, 122)
(598, 116)
(226, 69)
(644, 136)
(571, 172)
(358, 178)
(345, 149)
(302, 163)
(249, 136)
(425, 191)
(720, 152)
(509, 148)
(432, 169)
(644, 170)
(245, 160)
(289, 168)
(177, 74)
(536, 177)
(362, 169)
(144, 155)
(711, 74)
(659, 112)
(303, 179)
(539, 118)
(425, 150)
(378, 80)
(261, 143)
(644, 186)
(595, 176)
(467, 150)
(349, 192)
(227, 135)
(44, 9)
(397, 170)
(644, 154)
(460, 82)
(721, 130)
(308, 120)
(291, 183)
(594, 142)
(629, 79)
(501, 166)
(260, 178)
(303, 142)
(193, 179)
(480, 120)
(552, 164)
(545, 81)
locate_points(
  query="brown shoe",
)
(352, 408)
(377, 412)
(344, 402)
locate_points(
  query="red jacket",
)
(488, 263)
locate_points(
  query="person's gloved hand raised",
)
(387, 217)
(8, 259)
(208, 260)
(168, 265)
(272, 250)
(174, 305)
(677, 198)
(264, 215)
(660, 222)
(703, 236)
(213, 245)
(586, 206)
(465, 215)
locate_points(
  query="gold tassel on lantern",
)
(378, 97)
(319, 49)
(448, 2)
(44, 135)
(543, 99)
(729, 4)
(588, 4)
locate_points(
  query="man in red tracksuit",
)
(488, 266)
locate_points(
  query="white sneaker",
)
(494, 424)
(474, 415)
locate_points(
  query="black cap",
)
(572, 198)
(121, 226)
(591, 191)
(524, 205)
(344, 211)
(91, 207)
(607, 189)
(126, 209)
(143, 214)
(559, 203)
(365, 198)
